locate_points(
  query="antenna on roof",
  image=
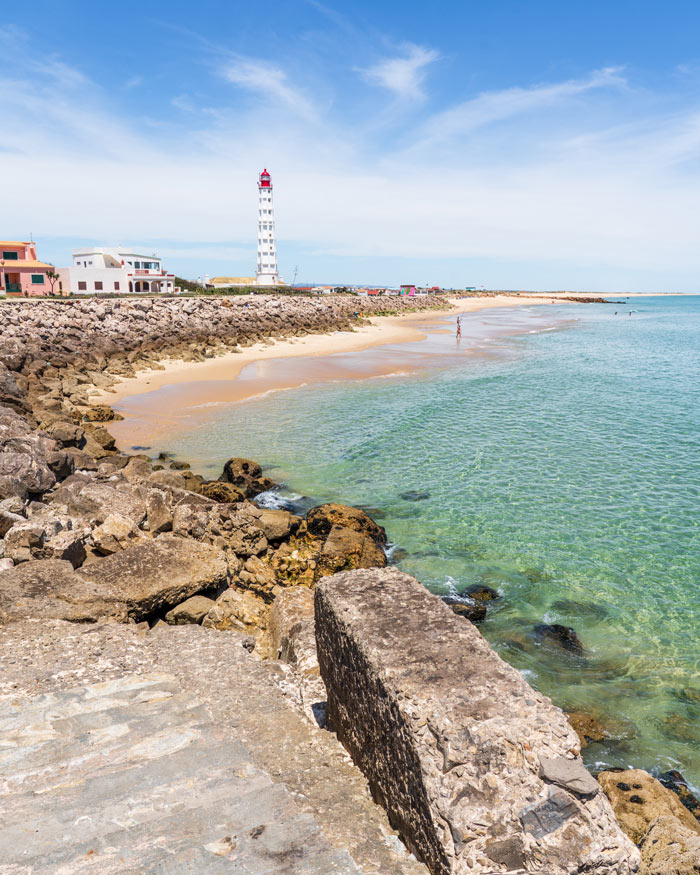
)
(31, 237)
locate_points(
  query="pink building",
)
(21, 273)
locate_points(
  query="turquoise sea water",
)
(561, 467)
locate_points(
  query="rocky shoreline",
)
(89, 535)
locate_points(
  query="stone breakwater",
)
(89, 535)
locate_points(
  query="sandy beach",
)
(384, 330)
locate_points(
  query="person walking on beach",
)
(459, 328)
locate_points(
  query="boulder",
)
(158, 573)
(669, 848)
(320, 520)
(100, 413)
(291, 629)
(116, 533)
(49, 589)
(638, 800)
(192, 610)
(347, 549)
(171, 479)
(247, 476)
(238, 609)
(31, 472)
(478, 772)
(67, 433)
(258, 576)
(95, 501)
(158, 514)
(277, 525)
(217, 490)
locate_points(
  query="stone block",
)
(455, 744)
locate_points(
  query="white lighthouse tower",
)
(266, 274)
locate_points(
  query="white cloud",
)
(271, 83)
(404, 75)
(495, 106)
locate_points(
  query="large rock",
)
(670, 848)
(192, 610)
(479, 772)
(237, 609)
(347, 549)
(95, 501)
(247, 476)
(49, 589)
(638, 800)
(31, 472)
(158, 574)
(320, 520)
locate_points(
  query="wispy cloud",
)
(496, 106)
(271, 83)
(403, 75)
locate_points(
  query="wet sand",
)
(158, 403)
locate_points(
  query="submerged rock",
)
(482, 593)
(587, 727)
(471, 610)
(559, 636)
(413, 495)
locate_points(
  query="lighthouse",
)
(266, 273)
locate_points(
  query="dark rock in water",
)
(473, 611)
(375, 512)
(675, 781)
(690, 695)
(482, 593)
(558, 635)
(138, 449)
(580, 609)
(247, 476)
(398, 554)
(412, 495)
(180, 466)
(681, 727)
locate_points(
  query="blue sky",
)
(507, 144)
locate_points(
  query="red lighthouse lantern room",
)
(265, 180)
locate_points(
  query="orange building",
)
(21, 273)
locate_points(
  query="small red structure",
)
(265, 180)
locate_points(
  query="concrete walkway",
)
(132, 775)
(149, 749)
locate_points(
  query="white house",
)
(101, 269)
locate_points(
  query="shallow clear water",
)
(563, 470)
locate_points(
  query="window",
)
(37, 279)
(98, 286)
(82, 287)
(137, 264)
(10, 256)
(116, 287)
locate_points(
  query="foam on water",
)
(563, 471)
